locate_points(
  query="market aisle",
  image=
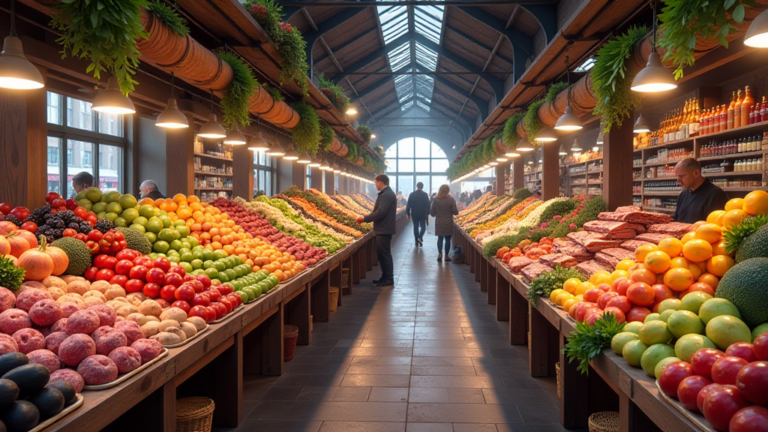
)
(427, 355)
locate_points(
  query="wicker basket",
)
(290, 337)
(333, 299)
(559, 384)
(194, 414)
(604, 421)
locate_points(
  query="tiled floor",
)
(425, 356)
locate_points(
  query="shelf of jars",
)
(584, 174)
(213, 171)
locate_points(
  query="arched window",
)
(414, 160)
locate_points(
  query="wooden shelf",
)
(732, 174)
(213, 189)
(213, 157)
(577, 174)
(669, 144)
(661, 193)
(740, 131)
(596, 182)
(731, 156)
(213, 174)
(661, 163)
(662, 209)
(749, 189)
(659, 178)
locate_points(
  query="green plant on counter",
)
(682, 21)
(522, 194)
(531, 121)
(104, 32)
(306, 135)
(509, 136)
(587, 342)
(168, 16)
(11, 277)
(288, 40)
(554, 90)
(237, 95)
(326, 136)
(335, 93)
(551, 280)
(615, 101)
(509, 241)
(365, 132)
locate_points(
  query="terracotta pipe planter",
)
(360, 161)
(500, 147)
(336, 146)
(343, 151)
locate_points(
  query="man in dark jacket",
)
(418, 210)
(384, 220)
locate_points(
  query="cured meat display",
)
(558, 259)
(651, 237)
(534, 270)
(607, 259)
(631, 245)
(575, 250)
(593, 242)
(639, 217)
(588, 268)
(619, 253)
(518, 263)
(677, 229)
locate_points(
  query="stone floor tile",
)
(388, 394)
(331, 426)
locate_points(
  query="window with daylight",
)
(83, 140)
(263, 174)
(414, 160)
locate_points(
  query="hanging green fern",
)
(335, 93)
(306, 135)
(682, 21)
(532, 122)
(509, 136)
(237, 95)
(326, 136)
(105, 33)
(610, 80)
(275, 93)
(554, 90)
(168, 16)
(365, 132)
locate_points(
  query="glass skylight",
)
(394, 21)
(429, 21)
(587, 65)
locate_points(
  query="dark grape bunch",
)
(104, 225)
(38, 215)
(13, 219)
(53, 226)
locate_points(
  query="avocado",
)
(66, 389)
(49, 401)
(30, 378)
(20, 417)
(744, 286)
(9, 392)
(11, 361)
(754, 246)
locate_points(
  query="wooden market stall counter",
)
(247, 341)
(612, 384)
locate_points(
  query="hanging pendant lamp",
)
(235, 137)
(576, 147)
(640, 125)
(16, 71)
(315, 162)
(276, 149)
(757, 33)
(562, 151)
(258, 143)
(511, 154)
(291, 154)
(524, 146)
(112, 101)
(304, 158)
(545, 135)
(171, 117)
(325, 166)
(493, 163)
(501, 159)
(654, 77)
(212, 129)
(600, 138)
(568, 121)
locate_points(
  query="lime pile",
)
(252, 286)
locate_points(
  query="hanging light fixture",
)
(562, 151)
(493, 163)
(524, 146)
(324, 165)
(16, 71)
(212, 129)
(171, 117)
(640, 125)
(304, 158)
(315, 162)
(258, 143)
(276, 149)
(351, 110)
(568, 121)
(336, 169)
(576, 147)
(112, 101)
(546, 134)
(600, 137)
(511, 154)
(501, 159)
(757, 33)
(654, 77)
(235, 137)
(594, 149)
(373, 136)
(291, 154)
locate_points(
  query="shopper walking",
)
(383, 217)
(444, 209)
(418, 210)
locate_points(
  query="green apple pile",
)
(122, 210)
(678, 330)
(253, 285)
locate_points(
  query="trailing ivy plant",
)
(237, 95)
(353, 151)
(682, 21)
(275, 93)
(509, 136)
(306, 134)
(610, 80)
(365, 132)
(554, 90)
(104, 32)
(169, 17)
(532, 122)
(290, 43)
(334, 93)
(326, 136)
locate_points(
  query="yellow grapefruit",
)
(714, 216)
(688, 237)
(625, 264)
(719, 264)
(678, 279)
(697, 250)
(657, 261)
(671, 246)
(644, 250)
(756, 203)
(709, 232)
(733, 217)
(735, 204)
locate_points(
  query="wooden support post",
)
(180, 162)
(169, 406)
(490, 281)
(518, 318)
(355, 269)
(617, 157)
(470, 252)
(372, 242)
(500, 188)
(335, 280)
(242, 169)
(542, 354)
(299, 176)
(574, 407)
(518, 173)
(550, 175)
(297, 312)
(317, 178)
(263, 346)
(370, 252)
(320, 297)
(479, 268)
(502, 298)
(228, 384)
(330, 183)
(483, 275)
(363, 254)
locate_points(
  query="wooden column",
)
(24, 147)
(342, 185)
(502, 297)
(242, 167)
(550, 175)
(330, 183)
(617, 166)
(490, 282)
(500, 188)
(298, 175)
(518, 318)
(317, 178)
(518, 172)
(180, 160)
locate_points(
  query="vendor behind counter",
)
(699, 197)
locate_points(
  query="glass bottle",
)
(723, 117)
(737, 110)
(763, 110)
(695, 116)
(729, 119)
(746, 103)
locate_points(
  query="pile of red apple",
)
(309, 255)
(729, 388)
(252, 221)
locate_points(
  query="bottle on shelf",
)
(693, 127)
(729, 118)
(763, 110)
(737, 109)
(746, 104)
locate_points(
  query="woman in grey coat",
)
(443, 209)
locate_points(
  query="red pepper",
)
(90, 274)
(93, 246)
(95, 235)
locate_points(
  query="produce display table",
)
(638, 401)
(247, 341)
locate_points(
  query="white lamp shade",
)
(351, 111)
(654, 77)
(16, 71)
(524, 146)
(258, 144)
(111, 100)
(171, 117)
(304, 158)
(212, 129)
(235, 137)
(757, 33)
(275, 150)
(641, 126)
(568, 121)
(291, 153)
(576, 147)
(511, 154)
(546, 135)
